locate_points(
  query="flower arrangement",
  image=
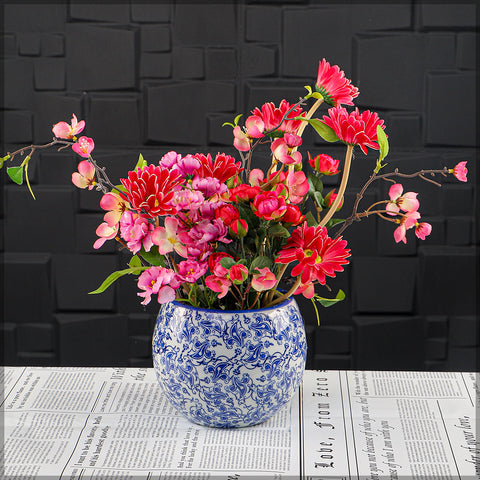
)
(219, 233)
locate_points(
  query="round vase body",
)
(229, 368)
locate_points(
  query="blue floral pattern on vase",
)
(229, 368)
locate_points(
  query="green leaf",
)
(317, 196)
(152, 257)
(323, 130)
(334, 221)
(141, 162)
(3, 160)
(382, 142)
(115, 276)
(311, 222)
(315, 183)
(135, 261)
(235, 121)
(328, 302)
(16, 174)
(227, 262)
(277, 230)
(312, 94)
(260, 262)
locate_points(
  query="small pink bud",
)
(330, 199)
(238, 228)
(460, 171)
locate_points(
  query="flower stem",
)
(343, 186)
(286, 295)
(269, 295)
(309, 115)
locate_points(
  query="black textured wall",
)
(155, 77)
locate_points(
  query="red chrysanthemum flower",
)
(151, 189)
(317, 254)
(222, 168)
(355, 128)
(272, 116)
(333, 86)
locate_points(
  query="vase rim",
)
(215, 310)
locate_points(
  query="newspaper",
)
(115, 423)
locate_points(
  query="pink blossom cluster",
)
(405, 206)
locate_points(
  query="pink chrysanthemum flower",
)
(222, 167)
(150, 190)
(317, 254)
(355, 128)
(333, 86)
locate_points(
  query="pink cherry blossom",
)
(66, 131)
(241, 141)
(298, 186)
(460, 171)
(105, 232)
(256, 177)
(263, 280)
(283, 149)
(85, 177)
(136, 231)
(115, 204)
(407, 202)
(408, 221)
(158, 280)
(167, 239)
(84, 146)
(422, 230)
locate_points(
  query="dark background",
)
(150, 78)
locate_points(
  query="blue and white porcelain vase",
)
(229, 368)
